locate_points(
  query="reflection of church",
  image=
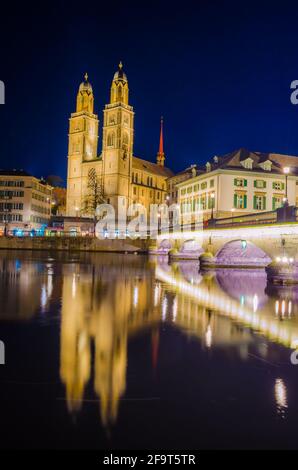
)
(102, 306)
(123, 177)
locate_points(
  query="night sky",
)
(218, 71)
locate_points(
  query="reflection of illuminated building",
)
(26, 287)
(102, 304)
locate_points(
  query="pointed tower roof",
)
(161, 154)
(120, 75)
(85, 85)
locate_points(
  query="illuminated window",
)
(259, 184)
(278, 185)
(277, 201)
(240, 201)
(240, 182)
(259, 203)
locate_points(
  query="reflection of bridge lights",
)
(271, 327)
(157, 291)
(276, 307)
(175, 308)
(280, 392)
(283, 308)
(135, 296)
(208, 337)
(43, 297)
(255, 303)
(50, 285)
(73, 286)
(164, 308)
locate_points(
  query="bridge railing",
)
(283, 215)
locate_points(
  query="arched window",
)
(111, 139)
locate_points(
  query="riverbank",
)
(74, 244)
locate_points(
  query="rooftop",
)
(144, 165)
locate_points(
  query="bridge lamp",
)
(286, 171)
(243, 244)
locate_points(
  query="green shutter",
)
(245, 182)
(255, 183)
(282, 186)
(255, 202)
(235, 201)
(273, 203)
(235, 181)
(245, 201)
(264, 184)
(264, 203)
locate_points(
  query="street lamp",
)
(286, 171)
(212, 204)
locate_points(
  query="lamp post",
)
(212, 204)
(286, 171)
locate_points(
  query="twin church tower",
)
(124, 178)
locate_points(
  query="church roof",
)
(233, 160)
(144, 165)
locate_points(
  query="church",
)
(123, 178)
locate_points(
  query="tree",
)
(58, 201)
(94, 196)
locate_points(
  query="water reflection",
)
(106, 300)
(280, 391)
(102, 305)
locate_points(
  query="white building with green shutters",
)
(241, 182)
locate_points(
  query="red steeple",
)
(161, 154)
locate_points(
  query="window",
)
(259, 184)
(111, 139)
(240, 201)
(203, 202)
(277, 201)
(211, 183)
(204, 185)
(189, 189)
(240, 182)
(196, 188)
(134, 190)
(267, 165)
(247, 163)
(279, 185)
(259, 203)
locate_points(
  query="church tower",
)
(160, 159)
(117, 143)
(82, 145)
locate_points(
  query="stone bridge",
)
(256, 246)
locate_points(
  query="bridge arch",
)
(189, 249)
(165, 246)
(241, 253)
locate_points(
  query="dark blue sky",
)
(218, 71)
